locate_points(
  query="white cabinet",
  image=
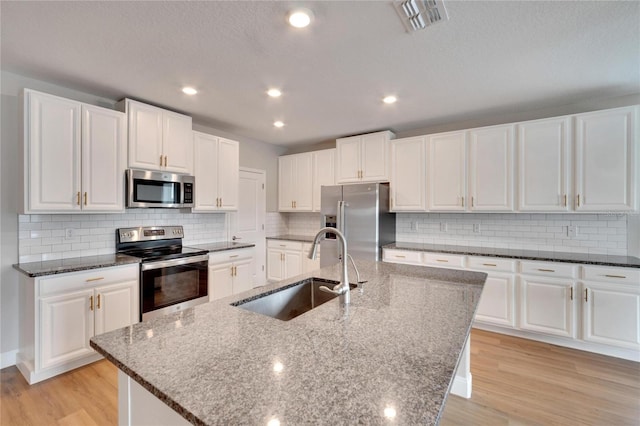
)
(231, 272)
(295, 189)
(544, 165)
(74, 155)
(491, 168)
(497, 303)
(606, 160)
(611, 306)
(363, 158)
(323, 173)
(62, 312)
(158, 139)
(408, 170)
(447, 171)
(284, 259)
(216, 169)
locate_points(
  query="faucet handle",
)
(333, 291)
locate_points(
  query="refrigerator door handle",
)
(340, 223)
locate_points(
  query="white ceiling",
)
(489, 58)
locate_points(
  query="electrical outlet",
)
(69, 233)
(476, 228)
(443, 226)
(572, 231)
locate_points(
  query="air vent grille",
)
(418, 14)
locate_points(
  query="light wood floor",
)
(515, 382)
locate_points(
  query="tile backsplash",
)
(307, 224)
(45, 237)
(594, 233)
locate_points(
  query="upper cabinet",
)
(158, 139)
(323, 173)
(491, 168)
(363, 158)
(447, 171)
(74, 155)
(295, 175)
(605, 167)
(408, 168)
(544, 165)
(216, 169)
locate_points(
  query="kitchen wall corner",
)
(633, 223)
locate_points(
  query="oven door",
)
(172, 285)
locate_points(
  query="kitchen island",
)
(389, 355)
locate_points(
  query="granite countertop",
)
(288, 237)
(222, 246)
(548, 256)
(396, 346)
(62, 266)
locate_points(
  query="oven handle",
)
(173, 262)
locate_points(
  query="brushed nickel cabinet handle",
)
(565, 200)
(578, 200)
(165, 161)
(472, 202)
(615, 276)
(235, 255)
(399, 256)
(462, 201)
(546, 270)
(489, 264)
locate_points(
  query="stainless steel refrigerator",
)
(361, 212)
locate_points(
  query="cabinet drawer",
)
(230, 256)
(284, 244)
(55, 284)
(402, 256)
(611, 274)
(491, 264)
(443, 260)
(548, 269)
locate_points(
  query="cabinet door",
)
(497, 301)
(447, 172)
(104, 158)
(205, 171)
(491, 168)
(220, 281)
(145, 136)
(408, 164)
(348, 160)
(547, 306)
(286, 167)
(606, 176)
(611, 314)
(292, 263)
(177, 142)
(52, 136)
(116, 306)
(66, 325)
(243, 276)
(374, 158)
(275, 264)
(543, 165)
(228, 174)
(323, 173)
(303, 183)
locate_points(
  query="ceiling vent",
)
(419, 14)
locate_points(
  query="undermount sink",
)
(291, 301)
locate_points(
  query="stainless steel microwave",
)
(159, 189)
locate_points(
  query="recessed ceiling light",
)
(300, 18)
(278, 123)
(274, 93)
(390, 100)
(189, 91)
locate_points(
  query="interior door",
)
(247, 224)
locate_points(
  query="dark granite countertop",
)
(396, 346)
(289, 237)
(221, 246)
(547, 256)
(52, 267)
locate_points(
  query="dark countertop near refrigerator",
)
(396, 347)
(221, 246)
(74, 264)
(288, 237)
(547, 256)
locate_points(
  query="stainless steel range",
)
(172, 276)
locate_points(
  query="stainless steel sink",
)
(288, 302)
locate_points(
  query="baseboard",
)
(461, 386)
(7, 359)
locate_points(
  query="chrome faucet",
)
(341, 289)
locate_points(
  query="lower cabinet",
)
(286, 259)
(592, 308)
(62, 312)
(230, 272)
